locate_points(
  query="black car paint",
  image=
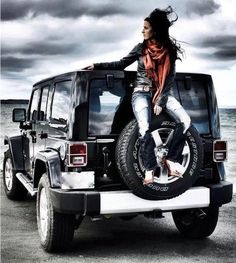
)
(45, 134)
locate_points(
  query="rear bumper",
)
(124, 202)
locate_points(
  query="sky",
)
(41, 38)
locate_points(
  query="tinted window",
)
(34, 105)
(43, 105)
(104, 104)
(174, 91)
(194, 102)
(61, 102)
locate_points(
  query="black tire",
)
(130, 166)
(56, 230)
(196, 223)
(12, 186)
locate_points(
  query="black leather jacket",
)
(142, 78)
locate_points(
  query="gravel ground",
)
(115, 240)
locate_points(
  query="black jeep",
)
(79, 150)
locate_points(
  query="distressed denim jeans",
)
(183, 121)
(142, 108)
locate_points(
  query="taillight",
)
(77, 155)
(219, 151)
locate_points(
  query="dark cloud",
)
(42, 49)
(219, 41)
(206, 7)
(75, 8)
(12, 9)
(48, 50)
(224, 46)
(14, 64)
(226, 54)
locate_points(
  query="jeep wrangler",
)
(79, 151)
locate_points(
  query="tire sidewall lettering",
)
(134, 169)
(194, 153)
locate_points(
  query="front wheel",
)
(196, 223)
(12, 186)
(56, 230)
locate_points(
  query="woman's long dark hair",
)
(160, 24)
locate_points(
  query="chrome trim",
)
(105, 140)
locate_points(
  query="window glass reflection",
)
(43, 106)
(104, 103)
(61, 102)
(34, 105)
(195, 103)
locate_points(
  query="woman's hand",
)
(90, 67)
(157, 109)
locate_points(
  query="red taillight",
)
(219, 151)
(77, 155)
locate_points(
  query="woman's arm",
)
(121, 64)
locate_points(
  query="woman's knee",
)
(176, 110)
(185, 119)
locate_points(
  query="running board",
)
(28, 184)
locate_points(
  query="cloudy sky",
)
(41, 38)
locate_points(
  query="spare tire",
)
(131, 169)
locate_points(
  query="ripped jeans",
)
(142, 108)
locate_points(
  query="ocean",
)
(227, 121)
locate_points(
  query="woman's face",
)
(147, 30)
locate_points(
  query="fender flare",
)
(19, 149)
(49, 162)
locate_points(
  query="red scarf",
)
(157, 65)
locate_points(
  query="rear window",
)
(104, 104)
(194, 100)
(61, 102)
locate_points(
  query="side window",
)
(195, 103)
(104, 104)
(61, 102)
(34, 105)
(43, 104)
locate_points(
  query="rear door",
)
(109, 111)
(193, 96)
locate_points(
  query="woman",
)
(156, 58)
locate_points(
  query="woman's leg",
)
(183, 121)
(141, 102)
(141, 105)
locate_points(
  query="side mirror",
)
(19, 115)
